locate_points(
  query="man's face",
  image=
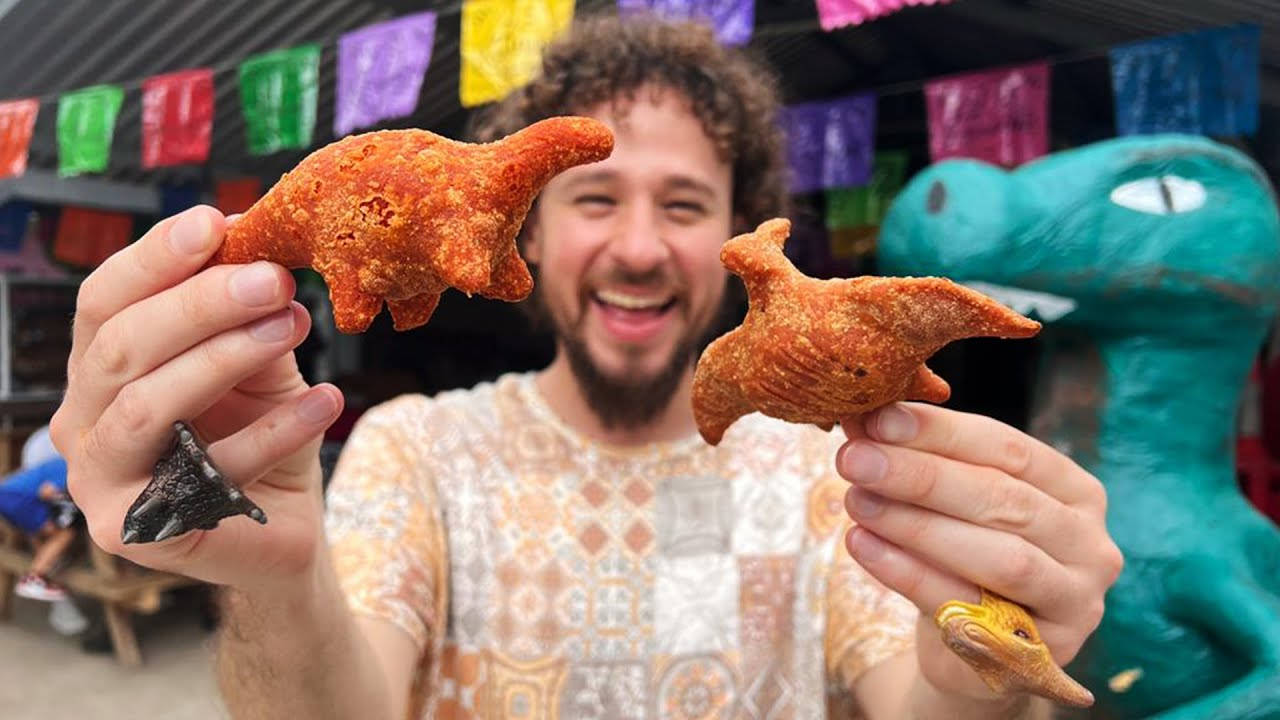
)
(627, 251)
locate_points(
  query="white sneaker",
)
(66, 618)
(34, 587)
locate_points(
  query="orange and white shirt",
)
(544, 575)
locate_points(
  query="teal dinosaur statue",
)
(1155, 264)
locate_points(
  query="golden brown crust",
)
(817, 351)
(401, 215)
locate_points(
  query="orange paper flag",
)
(87, 237)
(17, 121)
(238, 195)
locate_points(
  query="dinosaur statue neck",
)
(1155, 419)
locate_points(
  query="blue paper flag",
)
(1203, 82)
(13, 225)
(176, 198)
(1229, 83)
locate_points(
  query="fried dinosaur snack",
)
(815, 351)
(401, 215)
(818, 351)
(394, 216)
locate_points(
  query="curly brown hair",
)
(605, 58)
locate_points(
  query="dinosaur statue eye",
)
(1022, 634)
(1163, 195)
(937, 198)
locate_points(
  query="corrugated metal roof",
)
(51, 47)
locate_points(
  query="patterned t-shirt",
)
(544, 575)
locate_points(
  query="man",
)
(561, 543)
(34, 500)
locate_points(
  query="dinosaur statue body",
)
(1168, 250)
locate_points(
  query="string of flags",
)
(1200, 82)
(1204, 82)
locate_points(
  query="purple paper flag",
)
(732, 20)
(804, 127)
(380, 71)
(849, 141)
(829, 144)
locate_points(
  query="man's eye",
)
(685, 209)
(600, 200)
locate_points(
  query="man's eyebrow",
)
(593, 176)
(685, 182)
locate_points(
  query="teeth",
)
(631, 302)
(1045, 306)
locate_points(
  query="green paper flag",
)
(86, 124)
(278, 96)
(867, 205)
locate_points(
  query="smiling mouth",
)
(614, 299)
(1043, 306)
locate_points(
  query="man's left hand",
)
(946, 502)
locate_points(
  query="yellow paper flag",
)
(502, 43)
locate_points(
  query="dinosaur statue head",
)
(1155, 264)
(1184, 229)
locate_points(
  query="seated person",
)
(34, 499)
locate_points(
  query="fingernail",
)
(864, 545)
(254, 285)
(867, 504)
(864, 463)
(895, 424)
(190, 233)
(317, 407)
(274, 327)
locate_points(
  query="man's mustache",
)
(657, 278)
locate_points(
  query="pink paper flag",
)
(1001, 116)
(833, 14)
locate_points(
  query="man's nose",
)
(638, 244)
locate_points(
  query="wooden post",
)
(9, 538)
(119, 623)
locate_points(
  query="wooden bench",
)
(123, 587)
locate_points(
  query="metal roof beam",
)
(45, 186)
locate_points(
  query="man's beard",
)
(630, 402)
(626, 403)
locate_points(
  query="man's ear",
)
(530, 240)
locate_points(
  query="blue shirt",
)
(20, 501)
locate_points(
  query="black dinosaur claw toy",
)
(186, 493)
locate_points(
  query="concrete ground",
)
(46, 676)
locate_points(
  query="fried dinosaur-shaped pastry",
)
(186, 492)
(401, 215)
(815, 351)
(393, 216)
(818, 351)
(998, 639)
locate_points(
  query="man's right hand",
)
(159, 339)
